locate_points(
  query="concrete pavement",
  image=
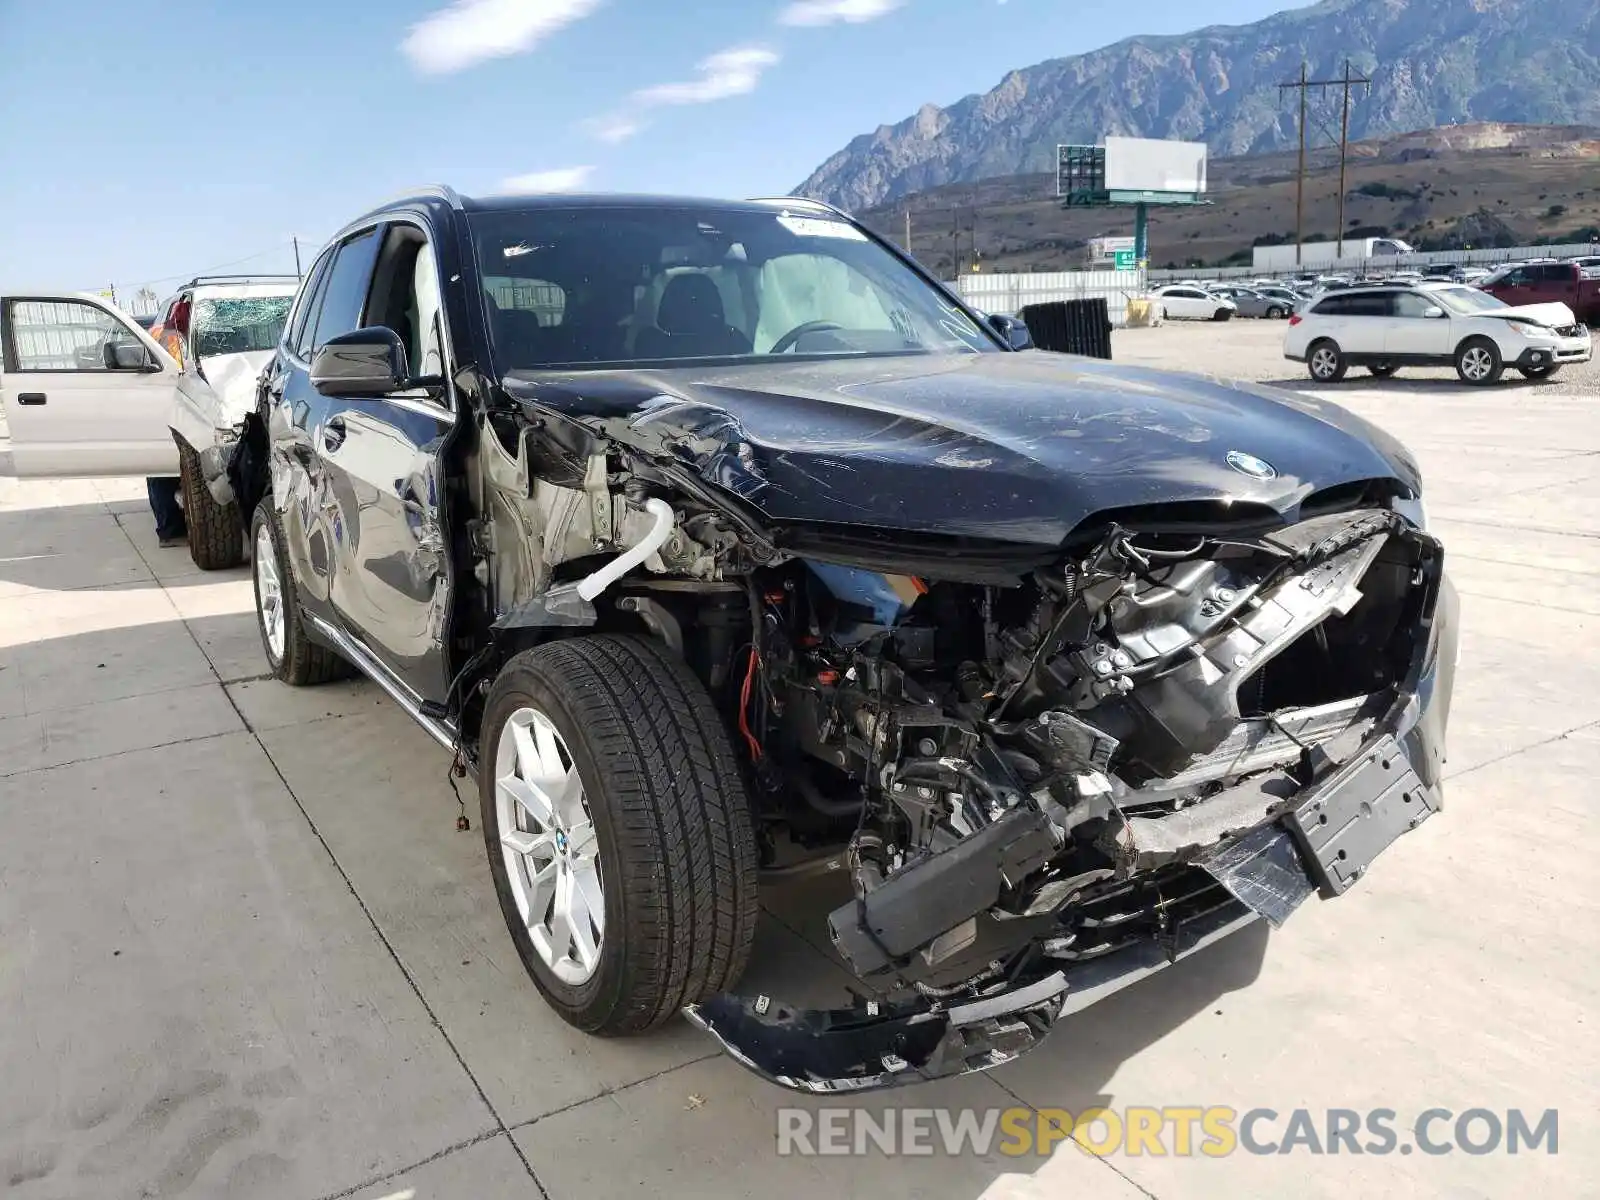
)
(244, 952)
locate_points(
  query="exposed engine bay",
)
(1023, 769)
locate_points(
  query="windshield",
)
(1464, 301)
(619, 284)
(239, 325)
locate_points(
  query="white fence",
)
(1012, 293)
(1384, 263)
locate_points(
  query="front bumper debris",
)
(883, 1044)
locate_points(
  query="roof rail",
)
(442, 191)
(267, 277)
(799, 201)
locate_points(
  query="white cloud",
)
(618, 127)
(559, 179)
(473, 31)
(727, 73)
(830, 12)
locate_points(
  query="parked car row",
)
(712, 536)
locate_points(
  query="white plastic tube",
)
(592, 585)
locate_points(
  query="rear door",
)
(84, 391)
(330, 303)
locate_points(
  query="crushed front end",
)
(1052, 788)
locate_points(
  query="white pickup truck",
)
(86, 391)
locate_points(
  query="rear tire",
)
(292, 656)
(1478, 362)
(1277, 314)
(216, 534)
(658, 843)
(1326, 362)
(1222, 314)
(1383, 370)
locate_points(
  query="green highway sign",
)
(1123, 259)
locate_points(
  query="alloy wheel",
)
(269, 591)
(547, 836)
(1477, 363)
(1324, 362)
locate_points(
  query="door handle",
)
(30, 398)
(333, 434)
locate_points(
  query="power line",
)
(1304, 86)
(274, 249)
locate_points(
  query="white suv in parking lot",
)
(1433, 324)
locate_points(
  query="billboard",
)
(1154, 165)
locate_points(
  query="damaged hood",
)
(232, 377)
(1015, 447)
(1554, 314)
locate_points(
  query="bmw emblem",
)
(1249, 464)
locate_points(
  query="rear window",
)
(239, 325)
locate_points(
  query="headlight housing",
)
(1532, 331)
(1412, 509)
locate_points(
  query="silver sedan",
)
(1251, 303)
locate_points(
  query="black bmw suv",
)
(717, 538)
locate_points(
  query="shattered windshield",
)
(239, 325)
(609, 285)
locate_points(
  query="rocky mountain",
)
(1433, 63)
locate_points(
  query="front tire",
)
(1222, 314)
(1275, 313)
(1539, 372)
(216, 534)
(291, 655)
(1326, 362)
(1478, 362)
(618, 831)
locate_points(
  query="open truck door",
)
(83, 389)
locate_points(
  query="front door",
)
(84, 391)
(382, 462)
(1410, 333)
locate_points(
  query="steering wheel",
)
(788, 340)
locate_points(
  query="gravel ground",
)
(1246, 349)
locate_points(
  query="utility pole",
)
(1304, 86)
(908, 229)
(298, 274)
(955, 243)
(1344, 146)
(1300, 172)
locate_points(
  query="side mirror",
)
(363, 362)
(1012, 330)
(1433, 314)
(126, 356)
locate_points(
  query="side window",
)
(1412, 304)
(405, 297)
(1519, 276)
(1555, 273)
(345, 294)
(1333, 306)
(61, 335)
(306, 306)
(1372, 304)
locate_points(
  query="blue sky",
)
(144, 142)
